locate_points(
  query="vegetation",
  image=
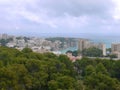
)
(26, 70)
(5, 41)
(92, 52)
(74, 53)
(112, 56)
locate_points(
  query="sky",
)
(60, 16)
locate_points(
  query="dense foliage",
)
(26, 70)
(74, 53)
(92, 52)
(3, 42)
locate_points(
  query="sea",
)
(96, 38)
(106, 41)
(107, 38)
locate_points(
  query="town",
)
(39, 45)
(56, 45)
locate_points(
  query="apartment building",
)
(115, 47)
(85, 44)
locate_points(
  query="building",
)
(85, 44)
(73, 58)
(115, 47)
(4, 36)
(101, 46)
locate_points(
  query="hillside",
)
(27, 70)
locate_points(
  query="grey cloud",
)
(96, 10)
(81, 14)
(76, 7)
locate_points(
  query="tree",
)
(89, 70)
(92, 52)
(112, 56)
(101, 69)
(66, 82)
(116, 69)
(75, 53)
(99, 79)
(27, 50)
(26, 70)
(53, 85)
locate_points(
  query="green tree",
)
(27, 50)
(99, 79)
(101, 69)
(53, 85)
(26, 70)
(92, 52)
(89, 70)
(112, 56)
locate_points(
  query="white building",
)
(115, 47)
(102, 47)
(11, 44)
(85, 44)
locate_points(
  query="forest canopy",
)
(27, 70)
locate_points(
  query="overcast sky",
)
(60, 16)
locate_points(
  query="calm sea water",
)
(104, 38)
(108, 39)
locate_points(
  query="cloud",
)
(77, 7)
(77, 15)
(116, 14)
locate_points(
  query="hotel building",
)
(115, 47)
(85, 44)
